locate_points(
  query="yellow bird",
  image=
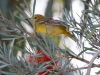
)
(48, 25)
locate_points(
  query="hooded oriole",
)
(48, 25)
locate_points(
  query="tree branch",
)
(91, 62)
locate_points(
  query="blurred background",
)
(48, 8)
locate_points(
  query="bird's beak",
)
(28, 19)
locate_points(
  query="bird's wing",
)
(50, 21)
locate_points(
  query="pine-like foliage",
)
(44, 57)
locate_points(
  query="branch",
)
(91, 62)
(81, 59)
(5, 21)
(78, 58)
(74, 69)
(94, 7)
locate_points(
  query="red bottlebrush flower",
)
(30, 59)
(42, 73)
(42, 58)
(48, 67)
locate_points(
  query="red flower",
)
(42, 73)
(42, 58)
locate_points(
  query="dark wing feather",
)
(50, 21)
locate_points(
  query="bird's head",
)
(36, 18)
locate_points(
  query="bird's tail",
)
(68, 34)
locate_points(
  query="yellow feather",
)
(48, 25)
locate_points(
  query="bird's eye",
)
(34, 17)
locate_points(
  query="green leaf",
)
(81, 53)
(27, 5)
(8, 73)
(12, 16)
(34, 6)
(21, 19)
(22, 50)
(2, 66)
(91, 33)
(23, 13)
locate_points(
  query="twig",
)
(74, 69)
(91, 62)
(94, 7)
(5, 21)
(62, 72)
(72, 56)
(81, 59)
